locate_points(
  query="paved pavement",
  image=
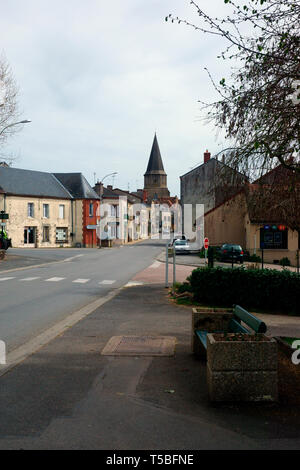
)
(68, 396)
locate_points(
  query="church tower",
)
(155, 178)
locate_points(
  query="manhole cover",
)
(140, 346)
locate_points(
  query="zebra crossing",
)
(104, 282)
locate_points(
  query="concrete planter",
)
(208, 319)
(242, 370)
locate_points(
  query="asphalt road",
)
(32, 300)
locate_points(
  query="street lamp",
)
(14, 124)
(110, 174)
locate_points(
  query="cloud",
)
(98, 79)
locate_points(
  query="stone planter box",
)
(242, 370)
(208, 319)
(283, 346)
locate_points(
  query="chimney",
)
(109, 186)
(145, 195)
(206, 156)
(98, 188)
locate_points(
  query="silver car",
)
(181, 246)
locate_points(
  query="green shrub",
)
(183, 287)
(255, 288)
(285, 262)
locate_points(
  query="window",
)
(91, 209)
(30, 209)
(61, 235)
(46, 233)
(61, 212)
(113, 211)
(46, 211)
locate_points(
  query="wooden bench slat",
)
(257, 325)
(202, 336)
(236, 327)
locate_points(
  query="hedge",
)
(266, 289)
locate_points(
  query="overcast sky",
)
(98, 78)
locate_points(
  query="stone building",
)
(210, 183)
(124, 215)
(39, 208)
(48, 210)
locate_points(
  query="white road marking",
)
(6, 278)
(107, 282)
(54, 279)
(29, 278)
(133, 283)
(72, 257)
(81, 281)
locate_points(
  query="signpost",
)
(206, 245)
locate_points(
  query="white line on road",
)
(54, 279)
(29, 278)
(72, 257)
(107, 282)
(6, 278)
(81, 281)
(133, 284)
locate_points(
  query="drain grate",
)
(140, 346)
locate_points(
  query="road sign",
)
(3, 215)
(206, 243)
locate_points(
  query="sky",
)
(99, 78)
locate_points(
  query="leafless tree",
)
(9, 112)
(259, 107)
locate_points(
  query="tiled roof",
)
(31, 183)
(77, 185)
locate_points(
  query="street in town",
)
(67, 395)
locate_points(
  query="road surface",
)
(33, 300)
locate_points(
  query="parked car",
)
(177, 238)
(230, 252)
(181, 246)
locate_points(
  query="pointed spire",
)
(155, 162)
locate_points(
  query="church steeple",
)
(155, 162)
(155, 178)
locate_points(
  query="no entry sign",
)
(206, 243)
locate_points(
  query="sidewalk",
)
(68, 396)
(195, 261)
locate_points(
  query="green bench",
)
(254, 325)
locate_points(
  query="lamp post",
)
(101, 194)
(14, 124)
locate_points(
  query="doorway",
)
(29, 236)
